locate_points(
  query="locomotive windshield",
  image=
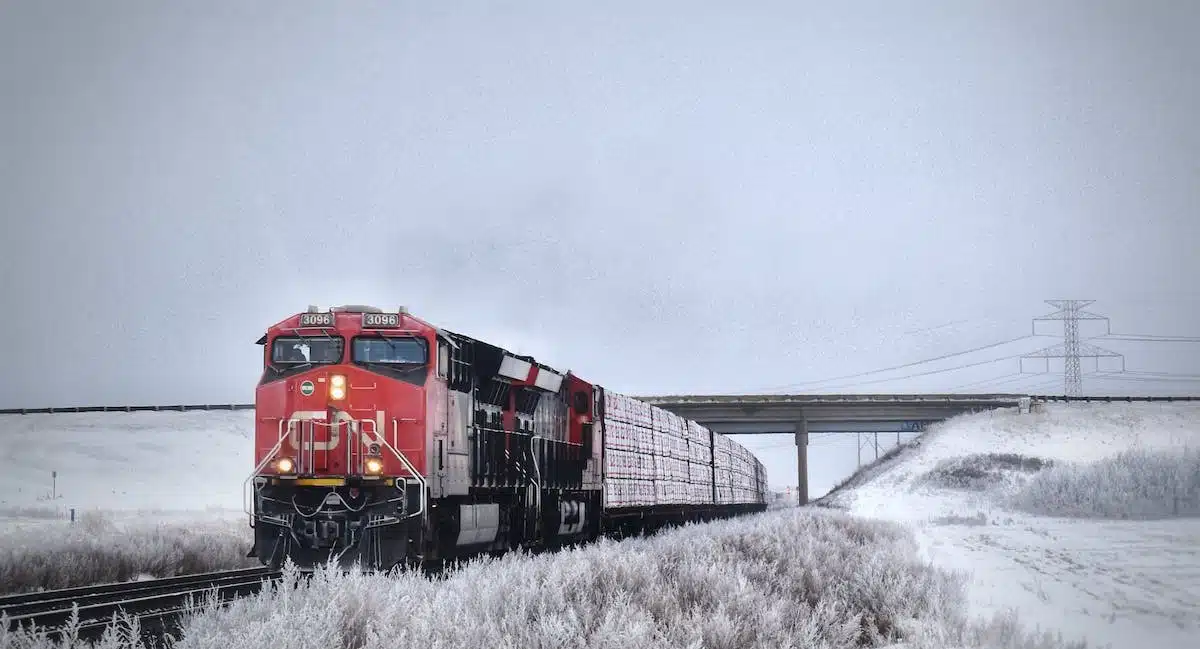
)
(296, 350)
(402, 358)
(398, 351)
(294, 354)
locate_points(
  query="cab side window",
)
(443, 361)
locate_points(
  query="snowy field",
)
(154, 494)
(176, 462)
(1115, 565)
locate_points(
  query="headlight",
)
(337, 387)
(284, 465)
(374, 466)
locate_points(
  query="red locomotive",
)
(383, 440)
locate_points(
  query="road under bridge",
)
(826, 413)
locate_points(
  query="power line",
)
(998, 380)
(1008, 379)
(989, 381)
(1164, 374)
(934, 328)
(1042, 384)
(930, 372)
(1150, 339)
(899, 367)
(1072, 349)
(1120, 376)
(826, 442)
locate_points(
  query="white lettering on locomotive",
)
(353, 426)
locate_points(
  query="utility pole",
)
(876, 446)
(1072, 349)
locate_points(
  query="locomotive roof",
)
(291, 323)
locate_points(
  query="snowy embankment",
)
(1079, 517)
(154, 493)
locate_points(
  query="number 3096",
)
(381, 320)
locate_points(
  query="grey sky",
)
(665, 199)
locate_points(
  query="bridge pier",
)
(802, 461)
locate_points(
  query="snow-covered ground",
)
(789, 578)
(170, 463)
(1126, 583)
(1111, 582)
(154, 494)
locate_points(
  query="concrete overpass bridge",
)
(754, 414)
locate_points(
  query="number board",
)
(316, 319)
(380, 320)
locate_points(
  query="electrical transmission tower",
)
(1072, 349)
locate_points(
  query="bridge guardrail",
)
(820, 399)
(1042, 397)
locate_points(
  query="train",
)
(382, 441)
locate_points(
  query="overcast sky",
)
(664, 199)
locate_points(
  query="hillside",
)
(1080, 517)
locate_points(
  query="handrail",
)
(353, 440)
(266, 458)
(537, 470)
(308, 434)
(359, 431)
(408, 465)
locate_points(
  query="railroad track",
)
(156, 603)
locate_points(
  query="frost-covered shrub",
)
(1134, 484)
(96, 550)
(804, 579)
(981, 472)
(27, 511)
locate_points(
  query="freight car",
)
(382, 440)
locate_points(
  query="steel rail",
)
(129, 587)
(157, 604)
